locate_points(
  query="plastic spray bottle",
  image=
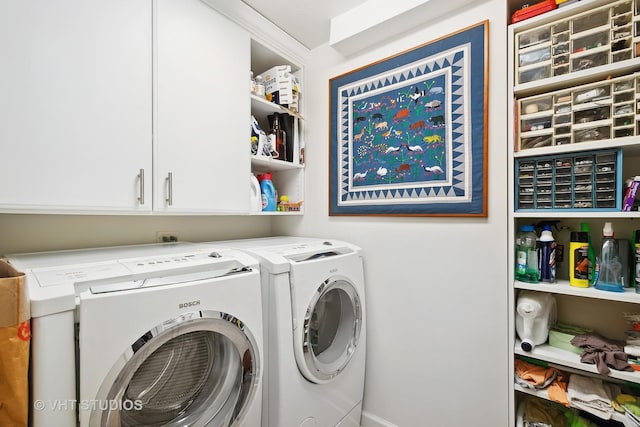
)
(610, 277)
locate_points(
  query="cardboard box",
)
(280, 85)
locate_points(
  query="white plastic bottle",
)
(256, 194)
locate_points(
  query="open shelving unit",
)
(608, 34)
(288, 177)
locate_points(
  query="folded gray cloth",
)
(592, 395)
(602, 352)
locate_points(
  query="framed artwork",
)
(408, 134)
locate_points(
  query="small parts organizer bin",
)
(591, 112)
(601, 36)
(585, 181)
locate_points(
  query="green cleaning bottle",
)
(526, 255)
(584, 227)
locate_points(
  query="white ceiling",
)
(305, 20)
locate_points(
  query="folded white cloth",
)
(632, 350)
(592, 395)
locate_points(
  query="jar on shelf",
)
(260, 88)
(253, 84)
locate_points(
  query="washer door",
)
(200, 369)
(331, 330)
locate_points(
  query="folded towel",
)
(592, 395)
(537, 377)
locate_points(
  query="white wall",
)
(436, 287)
(437, 351)
(34, 233)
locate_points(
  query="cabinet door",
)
(75, 104)
(202, 147)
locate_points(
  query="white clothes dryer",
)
(315, 330)
(155, 335)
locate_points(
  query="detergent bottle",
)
(535, 315)
(579, 259)
(584, 227)
(256, 194)
(268, 193)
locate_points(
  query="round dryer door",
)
(331, 330)
(200, 369)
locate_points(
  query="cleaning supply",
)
(256, 194)
(526, 256)
(636, 253)
(591, 254)
(547, 255)
(579, 259)
(610, 276)
(535, 315)
(268, 193)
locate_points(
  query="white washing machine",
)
(156, 335)
(315, 330)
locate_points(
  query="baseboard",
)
(370, 420)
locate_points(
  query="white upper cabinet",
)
(76, 105)
(202, 147)
(130, 106)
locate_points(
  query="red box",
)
(533, 10)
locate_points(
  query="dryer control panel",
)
(117, 270)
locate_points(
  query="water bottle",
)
(547, 256)
(610, 277)
(526, 256)
(268, 193)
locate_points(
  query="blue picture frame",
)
(408, 134)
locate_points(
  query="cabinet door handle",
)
(169, 180)
(141, 189)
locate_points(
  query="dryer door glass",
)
(332, 329)
(194, 371)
